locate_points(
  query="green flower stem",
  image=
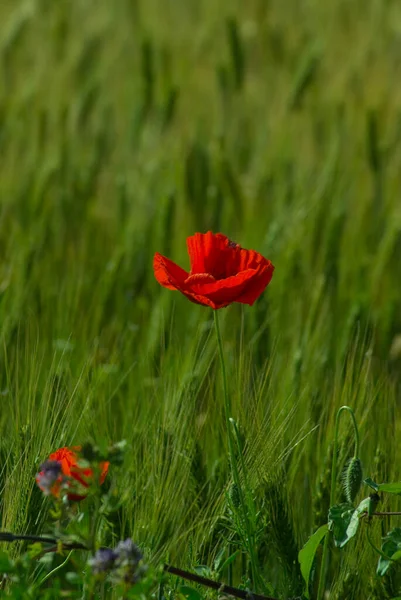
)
(227, 403)
(234, 467)
(241, 457)
(222, 588)
(333, 487)
(375, 548)
(51, 573)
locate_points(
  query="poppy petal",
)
(207, 253)
(199, 278)
(167, 273)
(68, 458)
(241, 260)
(198, 298)
(104, 470)
(245, 287)
(258, 285)
(227, 290)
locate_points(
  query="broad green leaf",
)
(385, 563)
(203, 571)
(390, 488)
(307, 554)
(368, 481)
(391, 547)
(340, 516)
(354, 521)
(189, 592)
(363, 506)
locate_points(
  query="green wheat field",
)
(128, 125)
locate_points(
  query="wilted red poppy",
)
(71, 473)
(221, 272)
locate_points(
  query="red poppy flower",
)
(221, 272)
(75, 476)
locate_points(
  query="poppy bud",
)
(352, 479)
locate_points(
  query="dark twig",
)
(5, 536)
(215, 585)
(385, 514)
(365, 514)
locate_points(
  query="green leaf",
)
(355, 519)
(203, 571)
(363, 506)
(391, 547)
(390, 488)
(189, 592)
(368, 481)
(219, 558)
(352, 528)
(307, 554)
(344, 521)
(340, 516)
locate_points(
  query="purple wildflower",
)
(103, 560)
(50, 472)
(124, 563)
(128, 552)
(128, 562)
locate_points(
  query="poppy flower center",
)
(200, 278)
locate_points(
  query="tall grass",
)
(126, 126)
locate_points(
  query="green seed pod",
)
(352, 479)
(234, 495)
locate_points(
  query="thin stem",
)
(322, 576)
(248, 503)
(5, 536)
(46, 577)
(227, 403)
(240, 453)
(356, 432)
(93, 524)
(375, 548)
(234, 467)
(215, 585)
(385, 514)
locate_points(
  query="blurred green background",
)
(126, 126)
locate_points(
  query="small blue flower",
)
(103, 560)
(129, 566)
(128, 552)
